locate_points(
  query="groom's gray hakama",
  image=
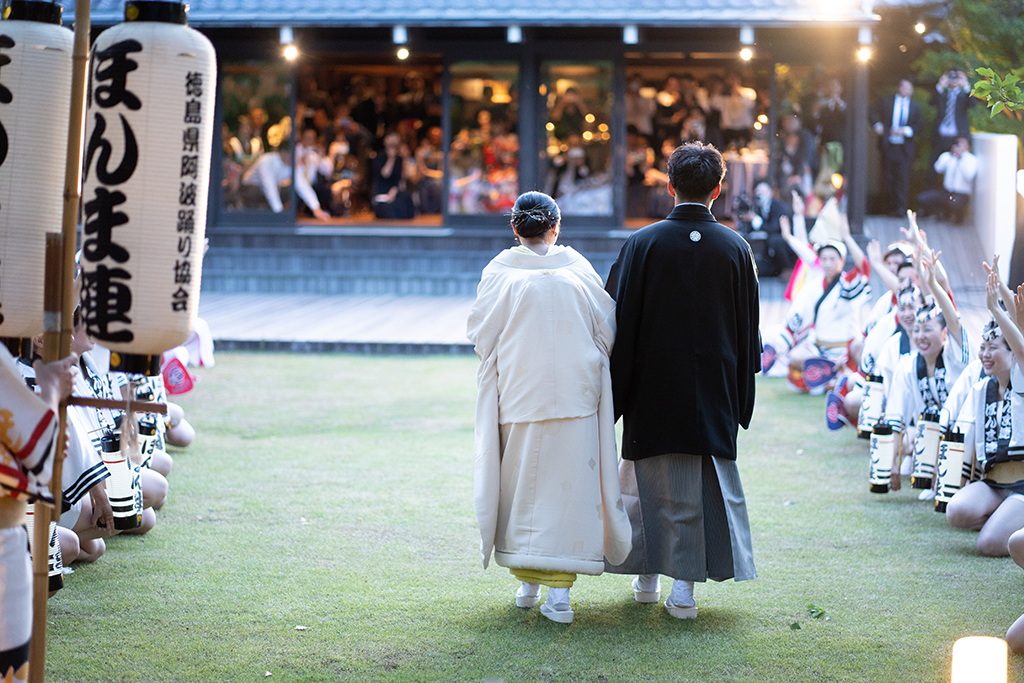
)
(682, 509)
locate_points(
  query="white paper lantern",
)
(950, 469)
(54, 560)
(871, 406)
(124, 485)
(880, 471)
(926, 450)
(148, 141)
(35, 91)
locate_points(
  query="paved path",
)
(402, 324)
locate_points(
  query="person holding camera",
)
(951, 99)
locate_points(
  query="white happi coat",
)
(874, 343)
(27, 437)
(28, 428)
(972, 374)
(889, 358)
(904, 402)
(971, 419)
(837, 318)
(543, 327)
(884, 307)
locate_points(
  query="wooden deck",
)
(438, 324)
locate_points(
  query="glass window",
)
(576, 161)
(369, 140)
(256, 132)
(483, 154)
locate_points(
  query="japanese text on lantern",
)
(106, 294)
(6, 43)
(189, 179)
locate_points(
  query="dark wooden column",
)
(858, 150)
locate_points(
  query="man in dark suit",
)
(683, 366)
(951, 99)
(897, 119)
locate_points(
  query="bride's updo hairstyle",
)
(533, 214)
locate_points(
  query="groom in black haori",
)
(683, 367)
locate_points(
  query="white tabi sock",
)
(682, 594)
(557, 597)
(648, 583)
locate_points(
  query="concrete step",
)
(396, 262)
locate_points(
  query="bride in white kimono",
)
(546, 475)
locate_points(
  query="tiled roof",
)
(501, 12)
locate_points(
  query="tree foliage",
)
(1003, 95)
(985, 38)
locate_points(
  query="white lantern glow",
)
(148, 141)
(35, 91)
(979, 659)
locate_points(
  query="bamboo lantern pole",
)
(59, 310)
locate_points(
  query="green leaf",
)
(795, 626)
(998, 107)
(985, 71)
(982, 89)
(1010, 80)
(815, 612)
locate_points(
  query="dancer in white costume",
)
(28, 441)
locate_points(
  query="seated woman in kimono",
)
(994, 438)
(546, 483)
(923, 379)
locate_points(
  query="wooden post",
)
(855, 156)
(43, 513)
(60, 306)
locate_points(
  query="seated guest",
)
(430, 168)
(639, 158)
(958, 168)
(309, 158)
(390, 198)
(994, 439)
(272, 171)
(660, 201)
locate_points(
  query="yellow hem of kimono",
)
(545, 578)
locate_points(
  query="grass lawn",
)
(335, 493)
